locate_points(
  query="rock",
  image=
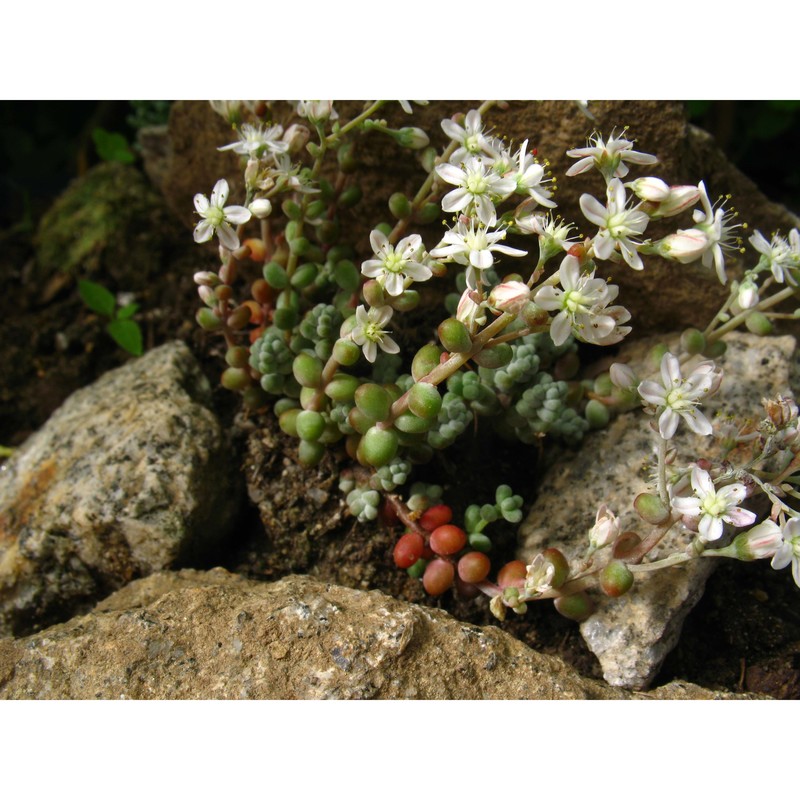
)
(632, 636)
(109, 222)
(131, 475)
(194, 635)
(665, 297)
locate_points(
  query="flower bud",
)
(748, 294)
(654, 190)
(510, 296)
(260, 208)
(761, 541)
(683, 246)
(207, 295)
(206, 278)
(413, 138)
(680, 198)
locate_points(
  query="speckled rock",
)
(193, 635)
(632, 636)
(129, 476)
(664, 298)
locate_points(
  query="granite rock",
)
(194, 635)
(131, 475)
(631, 636)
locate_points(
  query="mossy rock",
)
(109, 224)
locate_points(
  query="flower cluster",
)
(320, 337)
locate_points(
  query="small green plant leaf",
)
(97, 297)
(112, 146)
(127, 334)
(126, 312)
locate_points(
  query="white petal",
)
(456, 200)
(201, 203)
(220, 193)
(378, 239)
(203, 231)
(395, 283)
(697, 422)
(389, 345)
(668, 423)
(451, 174)
(560, 329)
(593, 210)
(237, 214)
(227, 236)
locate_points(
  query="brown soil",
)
(744, 634)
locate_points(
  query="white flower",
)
(217, 217)
(477, 186)
(539, 575)
(396, 263)
(470, 136)
(257, 140)
(780, 256)
(369, 334)
(713, 507)
(470, 312)
(747, 296)
(530, 176)
(472, 246)
(316, 110)
(553, 233)
(617, 224)
(582, 306)
(789, 550)
(718, 227)
(609, 157)
(676, 398)
(606, 528)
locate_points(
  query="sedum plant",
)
(314, 336)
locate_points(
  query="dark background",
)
(44, 144)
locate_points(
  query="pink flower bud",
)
(680, 198)
(510, 297)
(762, 541)
(684, 246)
